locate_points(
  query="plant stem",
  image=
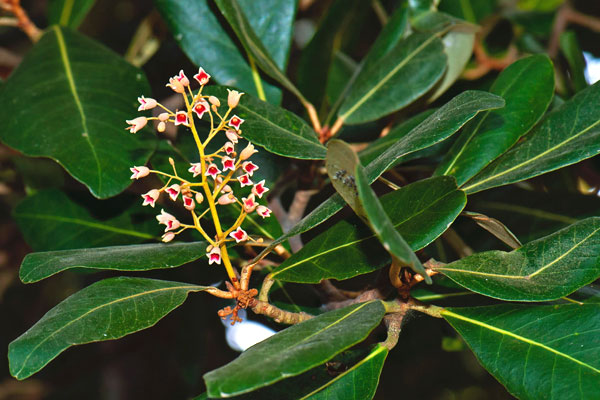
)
(257, 81)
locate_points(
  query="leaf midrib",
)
(190, 287)
(517, 337)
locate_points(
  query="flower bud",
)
(226, 199)
(199, 198)
(167, 237)
(161, 127)
(232, 136)
(163, 116)
(247, 152)
(214, 101)
(233, 98)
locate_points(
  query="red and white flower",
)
(249, 203)
(150, 197)
(226, 199)
(167, 237)
(247, 152)
(228, 148)
(232, 135)
(146, 103)
(259, 189)
(181, 118)
(182, 78)
(239, 235)
(263, 211)
(235, 122)
(200, 108)
(202, 77)
(188, 203)
(139, 172)
(233, 98)
(244, 180)
(212, 170)
(173, 191)
(136, 124)
(178, 82)
(249, 167)
(168, 220)
(228, 163)
(214, 255)
(196, 169)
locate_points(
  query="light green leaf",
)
(277, 130)
(295, 350)
(50, 220)
(141, 257)
(68, 12)
(68, 100)
(399, 78)
(341, 162)
(572, 52)
(545, 269)
(527, 86)
(537, 352)
(565, 136)
(109, 309)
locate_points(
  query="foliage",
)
(424, 130)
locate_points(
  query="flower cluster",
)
(219, 175)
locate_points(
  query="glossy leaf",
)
(105, 310)
(340, 73)
(341, 163)
(76, 94)
(572, 52)
(527, 86)
(420, 212)
(232, 11)
(68, 12)
(415, 65)
(277, 130)
(50, 220)
(356, 383)
(567, 135)
(545, 269)
(141, 257)
(537, 352)
(295, 349)
(437, 127)
(384, 229)
(190, 20)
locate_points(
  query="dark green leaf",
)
(356, 383)
(527, 86)
(437, 127)
(69, 100)
(383, 228)
(109, 309)
(567, 135)
(141, 257)
(206, 43)
(537, 352)
(234, 14)
(341, 163)
(420, 211)
(68, 12)
(469, 10)
(277, 130)
(341, 72)
(545, 269)
(415, 65)
(50, 220)
(295, 349)
(570, 48)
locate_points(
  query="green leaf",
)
(295, 350)
(383, 228)
(437, 127)
(341, 163)
(277, 130)
(545, 269)
(537, 352)
(141, 257)
(495, 227)
(356, 383)
(206, 43)
(109, 309)
(68, 12)
(234, 14)
(415, 65)
(527, 86)
(572, 52)
(50, 220)
(420, 212)
(565, 136)
(469, 10)
(340, 73)
(68, 100)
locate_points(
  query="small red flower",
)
(249, 203)
(212, 170)
(202, 77)
(196, 169)
(173, 191)
(139, 172)
(188, 203)
(136, 124)
(214, 256)
(200, 108)
(150, 197)
(228, 163)
(229, 148)
(235, 122)
(168, 220)
(263, 211)
(181, 118)
(239, 235)
(249, 167)
(146, 103)
(244, 180)
(259, 189)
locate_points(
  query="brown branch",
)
(23, 21)
(394, 326)
(278, 315)
(565, 15)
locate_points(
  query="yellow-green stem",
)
(256, 77)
